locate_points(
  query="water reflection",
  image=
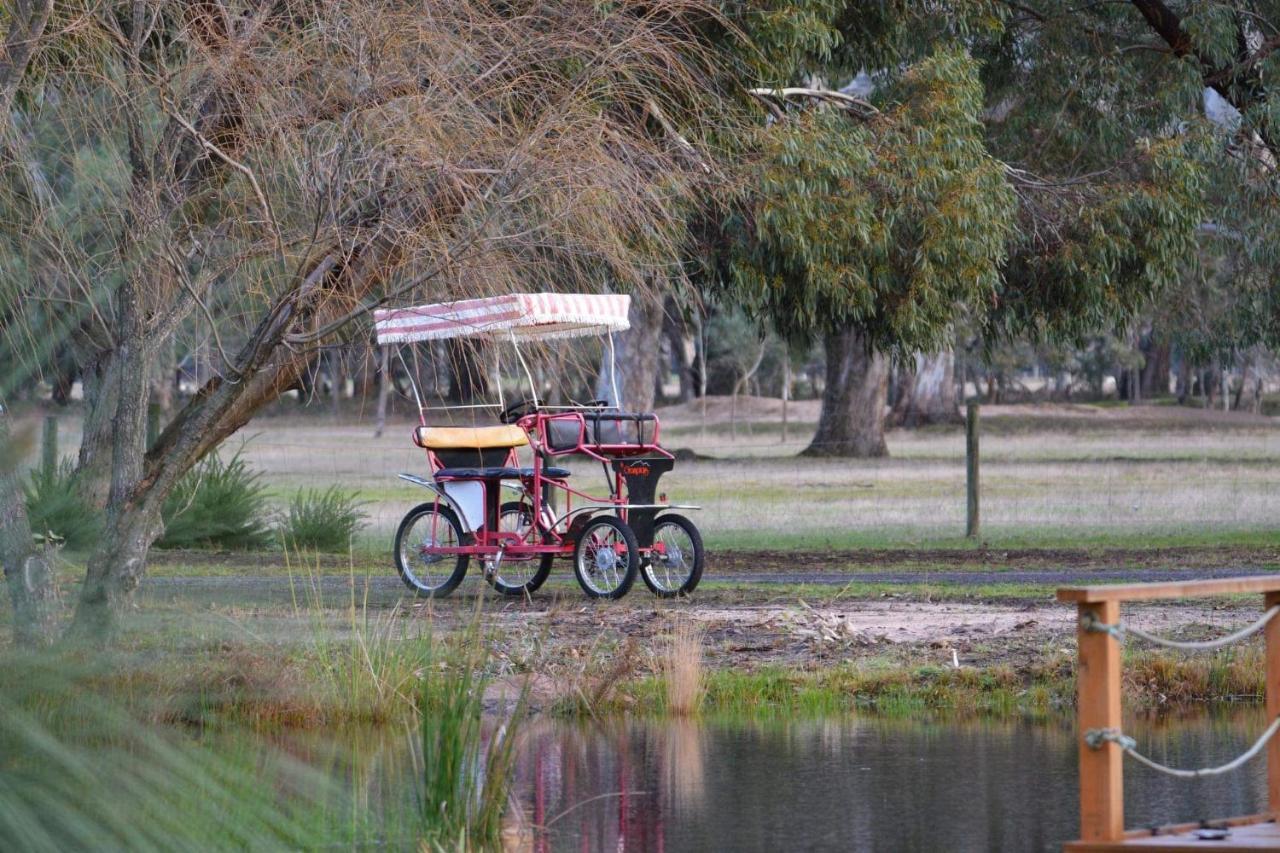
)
(853, 783)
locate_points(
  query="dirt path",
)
(1197, 558)
(336, 588)
(751, 623)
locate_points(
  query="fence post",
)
(972, 522)
(1098, 704)
(1272, 636)
(49, 446)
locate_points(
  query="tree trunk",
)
(853, 403)
(93, 466)
(1184, 379)
(26, 567)
(384, 390)
(673, 327)
(1158, 355)
(115, 569)
(634, 363)
(928, 394)
(337, 380)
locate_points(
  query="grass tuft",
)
(325, 520)
(682, 667)
(468, 762)
(217, 504)
(56, 509)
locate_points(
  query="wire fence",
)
(1043, 480)
(1041, 483)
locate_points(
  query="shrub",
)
(55, 507)
(323, 520)
(217, 505)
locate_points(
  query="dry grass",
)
(1099, 480)
(682, 668)
(1042, 484)
(1163, 678)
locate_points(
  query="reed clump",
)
(468, 760)
(1175, 678)
(682, 669)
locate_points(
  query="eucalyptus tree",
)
(1012, 169)
(872, 225)
(265, 173)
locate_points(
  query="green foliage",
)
(467, 770)
(1107, 249)
(78, 773)
(887, 223)
(55, 507)
(323, 520)
(780, 39)
(219, 505)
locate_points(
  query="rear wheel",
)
(524, 575)
(606, 557)
(674, 567)
(428, 573)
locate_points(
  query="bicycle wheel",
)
(677, 569)
(524, 575)
(429, 526)
(606, 557)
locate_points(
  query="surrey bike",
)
(496, 495)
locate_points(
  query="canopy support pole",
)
(533, 389)
(613, 373)
(497, 364)
(413, 382)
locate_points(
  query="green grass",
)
(187, 714)
(993, 537)
(892, 687)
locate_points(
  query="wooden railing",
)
(1098, 690)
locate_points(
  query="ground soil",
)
(758, 614)
(909, 561)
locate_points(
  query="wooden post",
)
(1098, 707)
(1272, 635)
(972, 522)
(49, 446)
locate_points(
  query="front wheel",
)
(606, 557)
(519, 576)
(424, 570)
(674, 566)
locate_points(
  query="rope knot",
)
(1097, 738)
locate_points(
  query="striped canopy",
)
(526, 316)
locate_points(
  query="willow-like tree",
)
(255, 176)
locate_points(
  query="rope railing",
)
(1121, 631)
(1097, 738)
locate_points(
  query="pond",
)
(841, 783)
(858, 783)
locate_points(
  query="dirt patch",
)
(803, 635)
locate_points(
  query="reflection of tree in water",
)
(853, 783)
(610, 786)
